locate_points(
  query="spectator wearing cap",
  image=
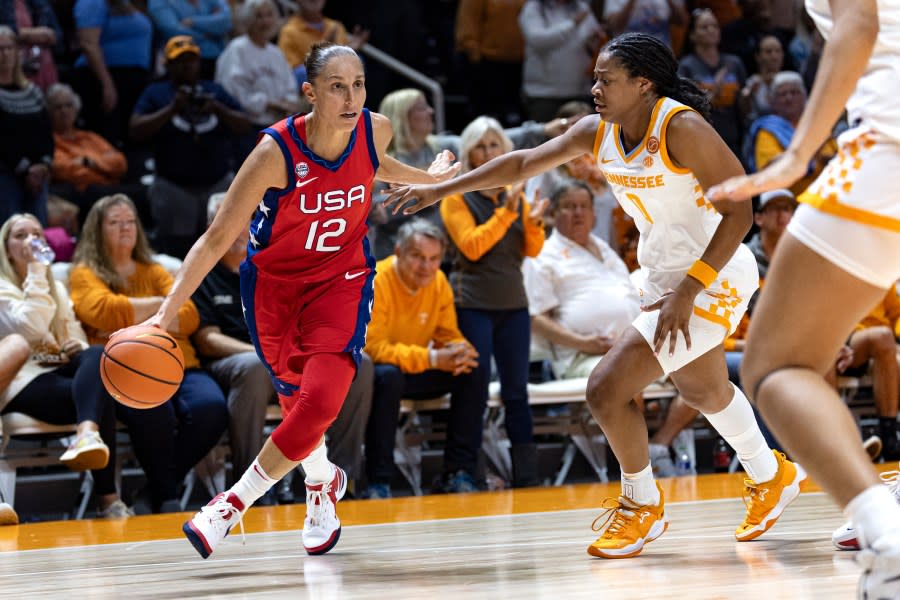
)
(207, 22)
(193, 124)
(772, 217)
(770, 135)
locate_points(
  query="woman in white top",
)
(61, 382)
(254, 70)
(840, 253)
(658, 155)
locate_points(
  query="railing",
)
(437, 92)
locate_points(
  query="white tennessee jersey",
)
(874, 102)
(675, 220)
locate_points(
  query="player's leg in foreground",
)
(637, 516)
(802, 319)
(297, 440)
(772, 481)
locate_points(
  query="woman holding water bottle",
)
(59, 384)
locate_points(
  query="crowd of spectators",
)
(124, 121)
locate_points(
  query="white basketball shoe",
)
(322, 528)
(213, 522)
(846, 537)
(881, 569)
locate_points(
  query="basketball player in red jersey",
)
(306, 285)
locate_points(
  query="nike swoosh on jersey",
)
(347, 275)
(300, 184)
(603, 161)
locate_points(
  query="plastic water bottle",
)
(42, 252)
(721, 456)
(683, 464)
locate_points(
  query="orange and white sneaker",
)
(627, 527)
(768, 500)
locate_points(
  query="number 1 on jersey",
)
(317, 239)
(640, 206)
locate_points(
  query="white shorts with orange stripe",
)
(717, 310)
(851, 213)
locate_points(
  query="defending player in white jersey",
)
(659, 156)
(839, 255)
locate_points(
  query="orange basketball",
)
(142, 366)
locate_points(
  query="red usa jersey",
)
(315, 228)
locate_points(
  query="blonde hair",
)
(18, 74)
(57, 325)
(473, 133)
(90, 251)
(395, 106)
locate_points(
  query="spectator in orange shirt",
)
(874, 344)
(80, 157)
(418, 352)
(85, 166)
(309, 26)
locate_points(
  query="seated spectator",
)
(14, 353)
(653, 17)
(27, 150)
(86, 166)
(207, 22)
(309, 26)
(561, 39)
(115, 64)
(493, 231)
(770, 135)
(39, 35)
(756, 96)
(874, 345)
(114, 284)
(720, 75)
(580, 296)
(192, 123)
(415, 144)
(224, 345)
(80, 157)
(254, 71)
(60, 384)
(418, 352)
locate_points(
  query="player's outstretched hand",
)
(780, 173)
(444, 166)
(413, 197)
(675, 309)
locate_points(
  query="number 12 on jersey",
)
(316, 239)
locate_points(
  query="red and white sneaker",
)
(846, 537)
(213, 522)
(322, 528)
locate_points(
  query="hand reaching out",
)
(444, 167)
(780, 173)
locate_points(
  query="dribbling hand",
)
(780, 173)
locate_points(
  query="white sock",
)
(640, 487)
(317, 467)
(737, 424)
(252, 485)
(874, 512)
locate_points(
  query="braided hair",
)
(643, 55)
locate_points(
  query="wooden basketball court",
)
(515, 544)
